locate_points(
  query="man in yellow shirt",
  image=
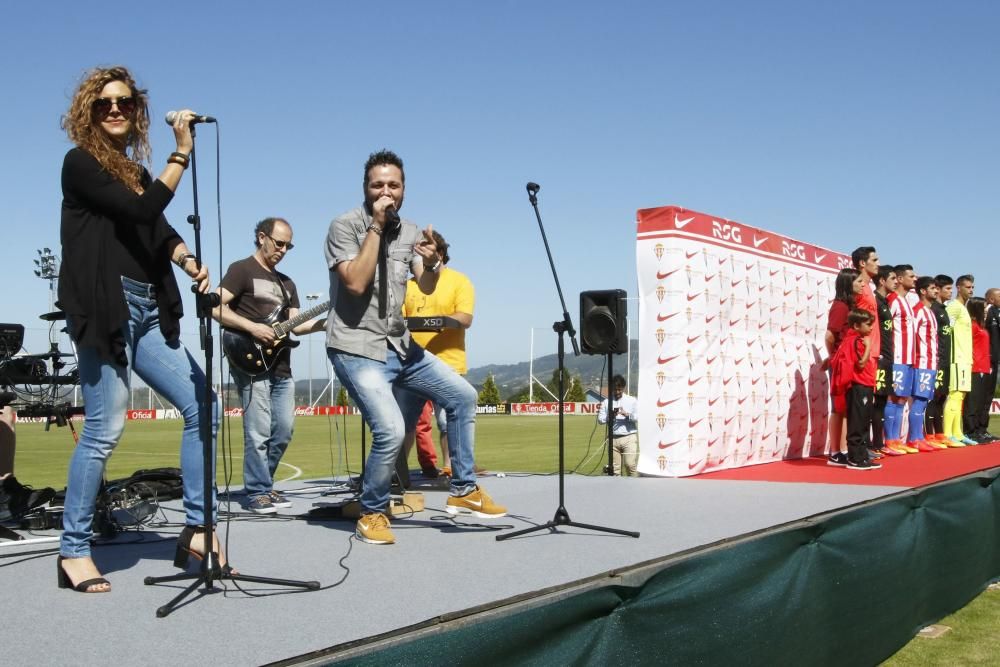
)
(961, 360)
(454, 297)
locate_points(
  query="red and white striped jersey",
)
(925, 329)
(902, 329)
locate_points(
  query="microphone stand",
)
(210, 569)
(561, 327)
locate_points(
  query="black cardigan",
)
(102, 218)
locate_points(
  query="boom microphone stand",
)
(210, 569)
(561, 328)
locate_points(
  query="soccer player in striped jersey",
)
(934, 425)
(883, 375)
(961, 360)
(902, 358)
(925, 363)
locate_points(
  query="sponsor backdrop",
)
(731, 326)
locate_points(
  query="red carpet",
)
(908, 471)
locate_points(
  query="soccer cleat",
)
(955, 442)
(938, 444)
(887, 451)
(906, 448)
(477, 502)
(373, 528)
(922, 446)
(896, 446)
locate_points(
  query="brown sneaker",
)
(374, 529)
(478, 502)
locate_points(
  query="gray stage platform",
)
(437, 567)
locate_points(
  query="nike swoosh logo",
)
(774, 308)
(741, 401)
(712, 441)
(798, 277)
(767, 399)
(819, 258)
(709, 360)
(708, 320)
(761, 288)
(751, 304)
(733, 323)
(664, 445)
(661, 360)
(692, 297)
(789, 364)
(736, 282)
(663, 404)
(722, 260)
(729, 419)
(692, 466)
(708, 279)
(713, 401)
(820, 316)
(799, 346)
(787, 292)
(477, 503)
(786, 328)
(767, 360)
(692, 424)
(799, 312)
(681, 224)
(809, 297)
(693, 339)
(722, 302)
(689, 255)
(740, 439)
(755, 419)
(664, 318)
(739, 361)
(749, 266)
(759, 242)
(693, 382)
(762, 325)
(754, 381)
(660, 275)
(774, 273)
(727, 380)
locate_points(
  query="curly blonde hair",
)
(84, 129)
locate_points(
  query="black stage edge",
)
(849, 586)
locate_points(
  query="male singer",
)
(370, 252)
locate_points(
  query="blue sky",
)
(840, 124)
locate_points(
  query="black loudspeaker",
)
(602, 321)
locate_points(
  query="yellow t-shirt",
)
(454, 294)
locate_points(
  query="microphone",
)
(172, 116)
(533, 188)
(391, 218)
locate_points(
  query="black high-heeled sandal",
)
(184, 551)
(65, 582)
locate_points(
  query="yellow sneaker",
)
(478, 502)
(374, 529)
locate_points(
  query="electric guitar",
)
(253, 357)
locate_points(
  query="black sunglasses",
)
(126, 106)
(279, 244)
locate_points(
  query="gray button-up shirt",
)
(353, 325)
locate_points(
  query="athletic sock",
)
(917, 411)
(893, 418)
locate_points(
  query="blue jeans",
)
(391, 395)
(268, 412)
(171, 371)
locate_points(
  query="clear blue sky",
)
(841, 124)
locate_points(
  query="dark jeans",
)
(860, 401)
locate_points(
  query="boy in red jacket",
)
(855, 369)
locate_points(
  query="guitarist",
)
(250, 292)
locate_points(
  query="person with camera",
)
(624, 431)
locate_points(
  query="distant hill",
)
(513, 377)
(510, 377)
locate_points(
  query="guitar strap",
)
(285, 302)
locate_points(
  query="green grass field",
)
(323, 446)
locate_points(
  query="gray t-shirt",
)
(353, 325)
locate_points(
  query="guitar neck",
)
(282, 328)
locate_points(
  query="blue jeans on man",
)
(268, 421)
(170, 370)
(391, 395)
